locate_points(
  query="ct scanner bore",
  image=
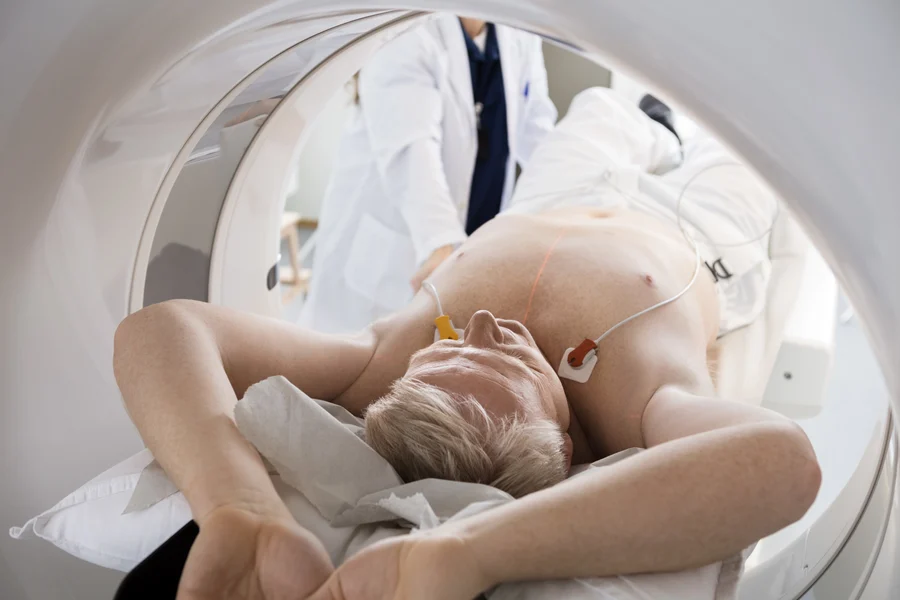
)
(82, 171)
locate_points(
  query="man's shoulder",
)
(389, 343)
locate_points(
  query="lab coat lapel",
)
(510, 62)
(458, 64)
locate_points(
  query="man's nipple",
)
(648, 279)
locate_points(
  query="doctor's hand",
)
(242, 555)
(428, 267)
(409, 567)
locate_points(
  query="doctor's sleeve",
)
(539, 113)
(403, 109)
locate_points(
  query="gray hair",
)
(425, 432)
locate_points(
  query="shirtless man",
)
(717, 475)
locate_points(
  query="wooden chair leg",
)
(294, 247)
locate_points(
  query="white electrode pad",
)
(580, 374)
(459, 332)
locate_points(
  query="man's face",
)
(498, 363)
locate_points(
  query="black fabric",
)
(660, 112)
(157, 576)
(489, 177)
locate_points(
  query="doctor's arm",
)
(181, 367)
(538, 112)
(404, 110)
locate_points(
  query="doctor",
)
(445, 112)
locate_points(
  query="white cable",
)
(429, 287)
(712, 242)
(660, 304)
(688, 238)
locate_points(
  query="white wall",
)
(568, 74)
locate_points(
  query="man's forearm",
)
(679, 505)
(178, 394)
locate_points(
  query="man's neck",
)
(473, 27)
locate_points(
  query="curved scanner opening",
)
(188, 186)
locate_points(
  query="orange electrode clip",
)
(445, 328)
(577, 356)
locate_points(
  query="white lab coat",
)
(400, 188)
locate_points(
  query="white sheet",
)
(744, 358)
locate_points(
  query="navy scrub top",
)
(489, 177)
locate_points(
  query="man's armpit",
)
(673, 413)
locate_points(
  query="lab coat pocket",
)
(378, 263)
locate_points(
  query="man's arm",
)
(717, 477)
(181, 367)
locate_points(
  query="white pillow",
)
(89, 523)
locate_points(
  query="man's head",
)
(487, 409)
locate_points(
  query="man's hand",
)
(428, 267)
(240, 555)
(410, 567)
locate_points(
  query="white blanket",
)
(317, 448)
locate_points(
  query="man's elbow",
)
(802, 475)
(144, 333)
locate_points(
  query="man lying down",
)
(592, 240)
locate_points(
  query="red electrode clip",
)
(577, 356)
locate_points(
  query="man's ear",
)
(567, 451)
